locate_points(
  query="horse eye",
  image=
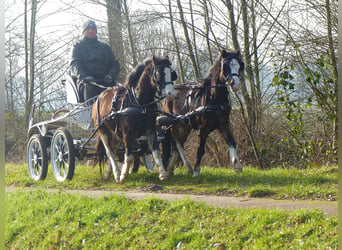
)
(158, 76)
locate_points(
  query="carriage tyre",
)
(62, 155)
(37, 157)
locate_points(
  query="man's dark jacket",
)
(91, 57)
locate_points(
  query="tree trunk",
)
(256, 67)
(188, 42)
(193, 34)
(179, 59)
(130, 37)
(207, 29)
(334, 67)
(31, 61)
(248, 65)
(115, 33)
(26, 64)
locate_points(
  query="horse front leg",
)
(228, 136)
(129, 158)
(112, 167)
(153, 145)
(200, 151)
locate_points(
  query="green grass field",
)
(313, 184)
(41, 220)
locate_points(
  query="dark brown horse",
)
(206, 105)
(124, 113)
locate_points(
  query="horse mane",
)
(212, 77)
(133, 77)
(216, 67)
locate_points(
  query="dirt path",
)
(328, 207)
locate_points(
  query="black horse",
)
(124, 113)
(206, 105)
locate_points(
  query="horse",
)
(123, 113)
(205, 106)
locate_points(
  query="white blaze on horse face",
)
(234, 69)
(169, 90)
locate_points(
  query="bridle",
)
(229, 77)
(155, 72)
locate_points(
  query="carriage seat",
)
(73, 96)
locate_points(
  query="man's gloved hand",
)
(89, 79)
(108, 79)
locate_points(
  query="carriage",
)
(127, 125)
(70, 134)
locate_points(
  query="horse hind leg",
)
(235, 159)
(200, 152)
(232, 150)
(112, 167)
(162, 173)
(182, 155)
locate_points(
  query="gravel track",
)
(328, 207)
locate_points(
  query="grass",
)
(312, 184)
(42, 220)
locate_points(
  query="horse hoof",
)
(163, 177)
(190, 171)
(105, 178)
(196, 174)
(238, 168)
(170, 173)
(150, 170)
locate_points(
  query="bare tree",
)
(187, 38)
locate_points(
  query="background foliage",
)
(285, 113)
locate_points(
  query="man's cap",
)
(89, 24)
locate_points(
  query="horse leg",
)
(111, 156)
(172, 160)
(228, 136)
(167, 154)
(186, 163)
(200, 151)
(129, 158)
(153, 145)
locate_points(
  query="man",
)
(93, 65)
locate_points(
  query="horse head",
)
(164, 77)
(231, 69)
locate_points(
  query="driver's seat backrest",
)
(73, 96)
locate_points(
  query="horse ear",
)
(238, 52)
(174, 75)
(223, 53)
(153, 59)
(242, 66)
(167, 57)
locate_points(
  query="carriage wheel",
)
(62, 155)
(37, 157)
